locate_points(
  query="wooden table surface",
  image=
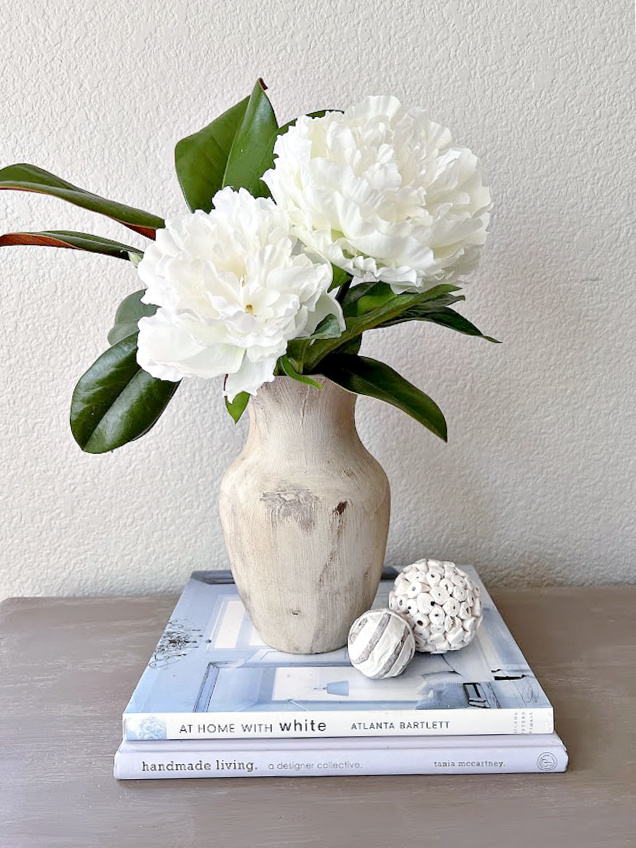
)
(68, 667)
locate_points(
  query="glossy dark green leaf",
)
(382, 305)
(445, 317)
(422, 310)
(296, 351)
(366, 376)
(288, 369)
(367, 297)
(31, 178)
(341, 280)
(340, 276)
(328, 328)
(246, 161)
(74, 241)
(116, 401)
(353, 295)
(129, 311)
(201, 158)
(237, 407)
(352, 346)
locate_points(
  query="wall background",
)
(537, 484)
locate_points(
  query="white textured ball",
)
(440, 602)
(381, 644)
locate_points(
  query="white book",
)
(535, 753)
(212, 677)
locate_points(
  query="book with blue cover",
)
(212, 677)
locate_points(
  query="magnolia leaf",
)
(381, 305)
(340, 278)
(445, 317)
(296, 350)
(129, 311)
(352, 346)
(31, 178)
(245, 163)
(366, 376)
(353, 295)
(201, 159)
(288, 369)
(328, 328)
(365, 298)
(75, 241)
(378, 305)
(116, 401)
(237, 407)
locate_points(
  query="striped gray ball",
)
(440, 602)
(381, 644)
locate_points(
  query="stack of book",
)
(215, 701)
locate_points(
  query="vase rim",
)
(283, 386)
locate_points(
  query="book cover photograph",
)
(212, 677)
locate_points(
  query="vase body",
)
(305, 516)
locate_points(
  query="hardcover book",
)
(537, 753)
(212, 677)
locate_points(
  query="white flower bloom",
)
(380, 191)
(233, 287)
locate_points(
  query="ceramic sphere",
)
(381, 644)
(441, 604)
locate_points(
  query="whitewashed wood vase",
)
(305, 516)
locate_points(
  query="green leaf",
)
(367, 297)
(445, 317)
(328, 328)
(296, 350)
(288, 369)
(129, 311)
(76, 241)
(341, 280)
(246, 161)
(201, 159)
(31, 178)
(352, 346)
(237, 407)
(366, 376)
(116, 401)
(422, 310)
(382, 305)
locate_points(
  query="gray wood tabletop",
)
(68, 667)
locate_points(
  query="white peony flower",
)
(380, 191)
(233, 287)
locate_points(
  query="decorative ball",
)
(440, 602)
(381, 644)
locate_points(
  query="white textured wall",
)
(537, 482)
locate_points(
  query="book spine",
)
(310, 762)
(458, 722)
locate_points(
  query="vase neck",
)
(297, 415)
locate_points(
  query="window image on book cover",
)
(211, 676)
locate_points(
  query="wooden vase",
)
(305, 515)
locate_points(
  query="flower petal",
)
(233, 287)
(381, 191)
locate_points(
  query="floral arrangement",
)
(299, 239)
